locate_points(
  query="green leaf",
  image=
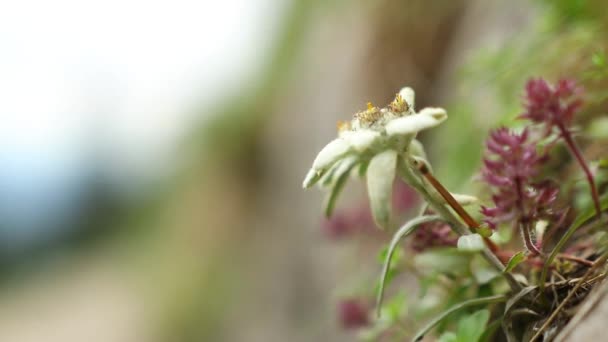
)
(443, 260)
(340, 175)
(448, 336)
(579, 221)
(404, 231)
(598, 59)
(396, 308)
(470, 243)
(380, 177)
(514, 261)
(470, 328)
(484, 274)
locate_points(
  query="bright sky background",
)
(120, 76)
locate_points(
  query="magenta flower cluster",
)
(553, 106)
(510, 165)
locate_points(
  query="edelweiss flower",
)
(374, 141)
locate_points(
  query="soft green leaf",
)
(470, 328)
(502, 235)
(448, 336)
(396, 308)
(514, 261)
(470, 243)
(598, 59)
(380, 177)
(444, 260)
(484, 274)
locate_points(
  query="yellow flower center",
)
(399, 105)
(370, 115)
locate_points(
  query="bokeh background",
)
(152, 152)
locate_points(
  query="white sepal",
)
(360, 140)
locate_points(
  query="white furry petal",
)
(412, 124)
(409, 96)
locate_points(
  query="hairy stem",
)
(565, 133)
(530, 246)
(451, 201)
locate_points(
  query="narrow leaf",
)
(328, 177)
(310, 179)
(404, 231)
(340, 176)
(380, 177)
(514, 261)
